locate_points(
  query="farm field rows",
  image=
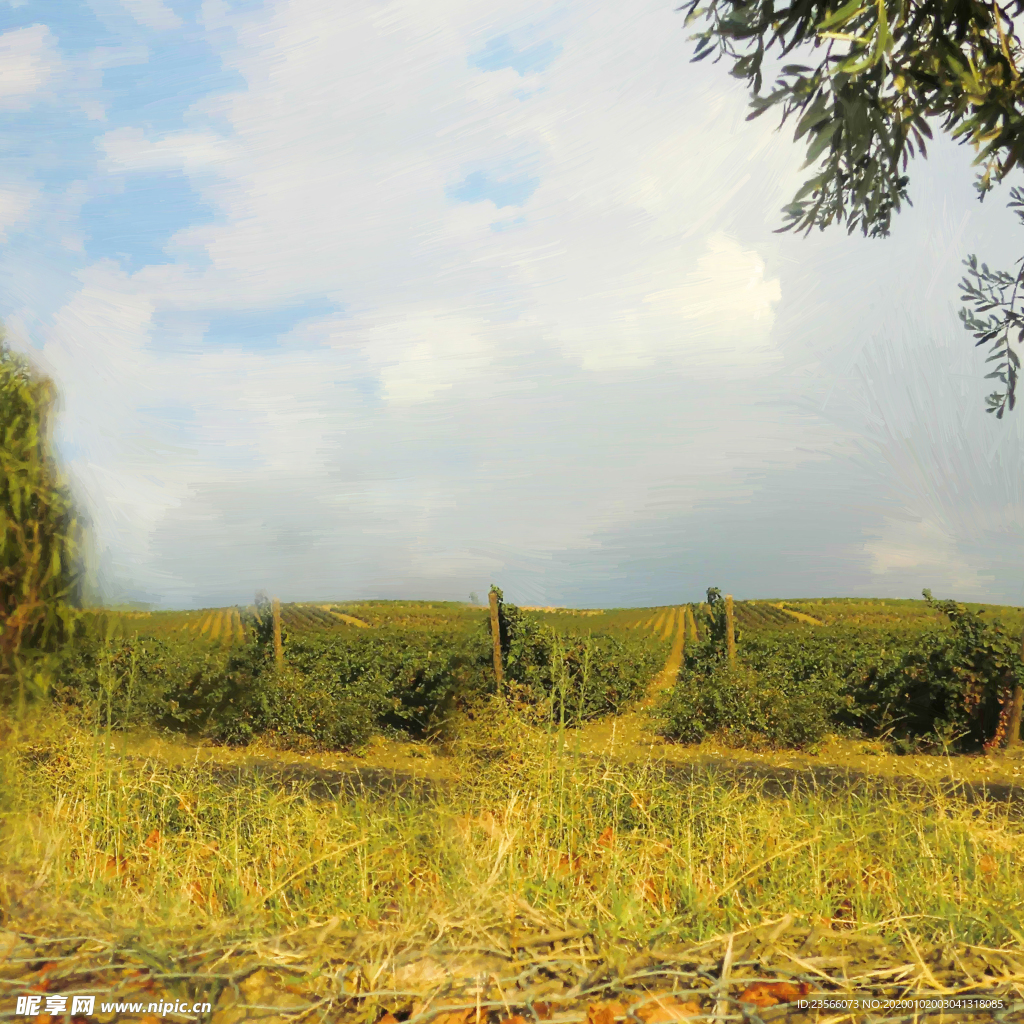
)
(560, 821)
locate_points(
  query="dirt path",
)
(666, 678)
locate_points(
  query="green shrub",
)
(949, 688)
(407, 678)
(921, 688)
(573, 678)
(745, 707)
(181, 685)
(334, 692)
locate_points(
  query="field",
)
(373, 830)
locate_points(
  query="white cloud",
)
(504, 384)
(332, 173)
(16, 207)
(328, 172)
(923, 553)
(128, 149)
(726, 294)
(152, 14)
(29, 62)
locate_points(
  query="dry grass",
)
(623, 851)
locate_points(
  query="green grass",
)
(623, 849)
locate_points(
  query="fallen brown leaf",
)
(771, 993)
(655, 894)
(109, 868)
(604, 1013)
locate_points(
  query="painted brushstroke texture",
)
(381, 299)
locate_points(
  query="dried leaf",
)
(109, 868)
(543, 1010)
(202, 897)
(655, 894)
(153, 840)
(604, 1013)
(772, 993)
(607, 838)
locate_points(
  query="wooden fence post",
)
(499, 673)
(730, 630)
(278, 646)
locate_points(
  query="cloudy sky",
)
(380, 299)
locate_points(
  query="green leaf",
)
(822, 139)
(845, 13)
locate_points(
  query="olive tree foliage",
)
(874, 76)
(40, 533)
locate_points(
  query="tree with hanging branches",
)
(863, 84)
(40, 534)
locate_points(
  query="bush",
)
(569, 677)
(938, 688)
(333, 693)
(745, 707)
(409, 679)
(949, 689)
(179, 685)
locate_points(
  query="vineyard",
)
(588, 880)
(922, 674)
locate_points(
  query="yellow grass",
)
(799, 616)
(669, 624)
(350, 619)
(627, 849)
(670, 672)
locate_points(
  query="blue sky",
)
(379, 300)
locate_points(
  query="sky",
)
(378, 300)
